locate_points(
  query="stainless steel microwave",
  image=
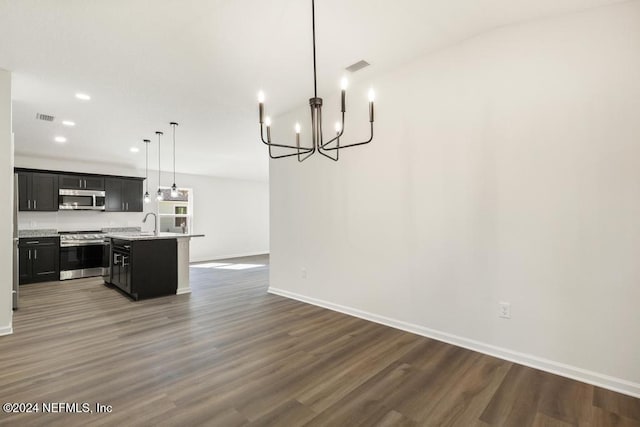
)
(81, 200)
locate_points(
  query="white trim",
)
(6, 330)
(219, 257)
(575, 373)
(182, 291)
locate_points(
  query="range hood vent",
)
(45, 117)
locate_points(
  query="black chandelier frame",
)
(317, 137)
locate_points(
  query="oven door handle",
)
(71, 245)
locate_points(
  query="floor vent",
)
(45, 117)
(357, 66)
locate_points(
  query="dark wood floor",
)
(231, 354)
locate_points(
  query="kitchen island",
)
(146, 265)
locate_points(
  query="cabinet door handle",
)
(127, 206)
(35, 254)
(33, 242)
(35, 204)
(123, 206)
(28, 204)
(29, 253)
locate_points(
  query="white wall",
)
(233, 214)
(6, 200)
(504, 168)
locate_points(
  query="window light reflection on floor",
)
(226, 266)
(210, 265)
(240, 266)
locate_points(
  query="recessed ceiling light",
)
(83, 96)
(134, 149)
(60, 139)
(68, 123)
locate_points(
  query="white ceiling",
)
(200, 63)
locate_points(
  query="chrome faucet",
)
(155, 222)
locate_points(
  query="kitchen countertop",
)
(45, 232)
(151, 236)
(121, 230)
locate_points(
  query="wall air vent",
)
(357, 66)
(45, 117)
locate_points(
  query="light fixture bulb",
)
(261, 97)
(83, 96)
(68, 123)
(134, 149)
(267, 121)
(60, 139)
(159, 195)
(344, 83)
(297, 127)
(147, 199)
(338, 127)
(372, 95)
(174, 190)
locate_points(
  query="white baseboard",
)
(6, 330)
(219, 257)
(183, 291)
(575, 373)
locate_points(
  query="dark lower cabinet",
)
(37, 191)
(144, 268)
(123, 195)
(39, 259)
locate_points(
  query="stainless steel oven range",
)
(83, 254)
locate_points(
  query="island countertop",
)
(150, 236)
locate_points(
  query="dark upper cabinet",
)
(113, 195)
(93, 183)
(132, 194)
(24, 191)
(37, 191)
(39, 259)
(81, 182)
(123, 195)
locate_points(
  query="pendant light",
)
(147, 198)
(317, 141)
(174, 189)
(159, 192)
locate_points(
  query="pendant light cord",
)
(313, 24)
(174, 153)
(147, 166)
(159, 163)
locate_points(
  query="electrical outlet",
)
(303, 272)
(504, 310)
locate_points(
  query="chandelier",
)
(329, 149)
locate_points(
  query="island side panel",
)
(183, 266)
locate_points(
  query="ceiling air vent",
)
(357, 66)
(45, 117)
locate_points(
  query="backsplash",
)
(81, 220)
